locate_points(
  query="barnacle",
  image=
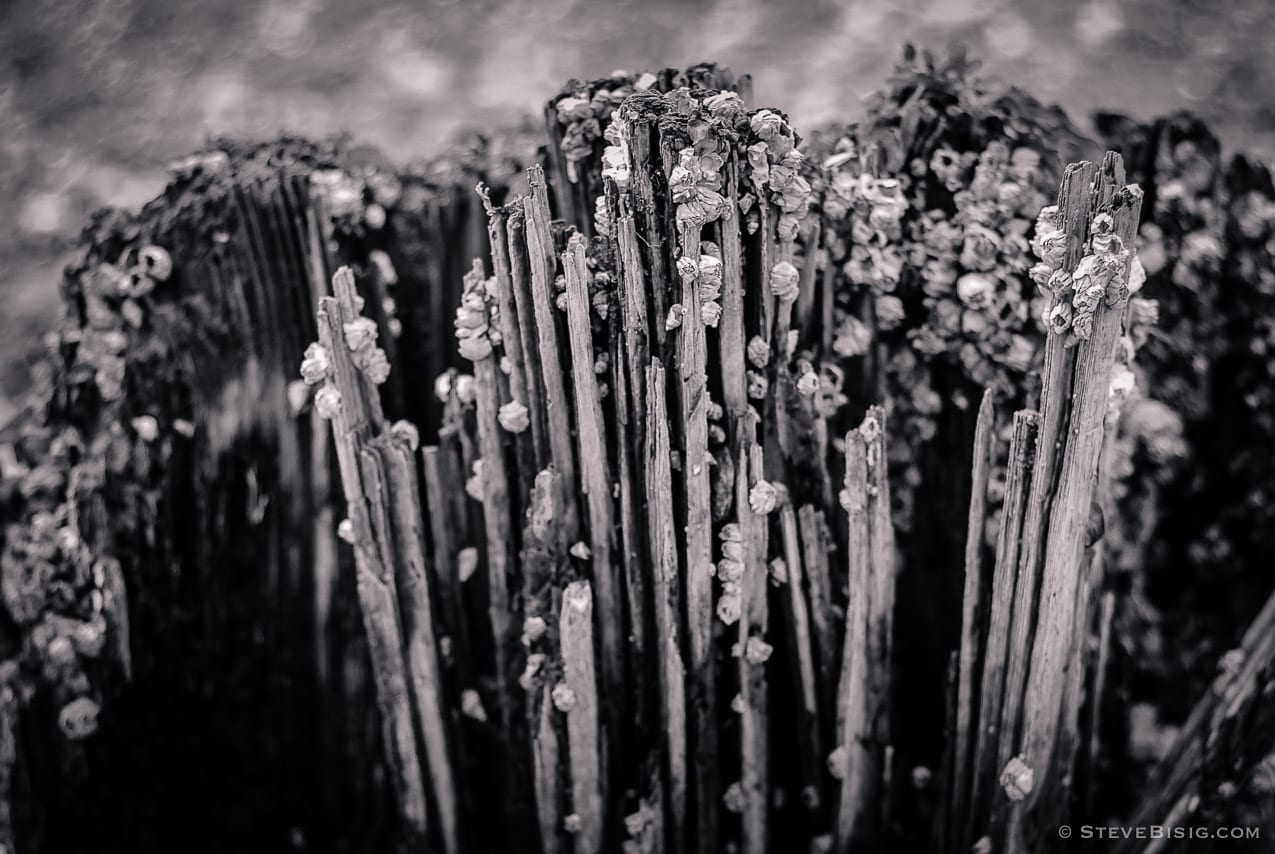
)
(471, 705)
(315, 365)
(808, 382)
(345, 530)
(853, 337)
(146, 427)
(758, 385)
(784, 281)
(78, 718)
(514, 417)
(837, 761)
(757, 651)
(763, 498)
(535, 662)
(466, 560)
(156, 262)
(1017, 779)
(758, 352)
(564, 699)
(533, 628)
(730, 604)
(975, 289)
(407, 431)
(675, 313)
(327, 402)
(474, 484)
(360, 333)
(374, 364)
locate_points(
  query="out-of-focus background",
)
(97, 95)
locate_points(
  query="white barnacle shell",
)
(474, 485)
(757, 385)
(852, 338)
(870, 429)
(345, 530)
(581, 550)
(730, 569)
(1040, 273)
(737, 705)
(1017, 779)
(687, 268)
(78, 718)
(763, 498)
(530, 670)
(710, 269)
(156, 261)
(407, 431)
(808, 383)
(1059, 281)
(757, 651)
(564, 699)
(466, 562)
(443, 387)
(533, 629)
(615, 164)
(758, 352)
(465, 388)
(837, 761)
(675, 314)
(360, 333)
(1137, 275)
(374, 364)
(475, 348)
(784, 281)
(327, 402)
(513, 416)
(1123, 382)
(734, 799)
(298, 394)
(779, 570)
(710, 313)
(890, 311)
(572, 823)
(384, 266)
(975, 289)
(147, 428)
(471, 705)
(1059, 318)
(730, 605)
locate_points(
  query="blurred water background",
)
(97, 95)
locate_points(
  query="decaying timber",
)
(646, 621)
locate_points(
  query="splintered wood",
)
(654, 514)
(1029, 642)
(383, 526)
(647, 454)
(863, 710)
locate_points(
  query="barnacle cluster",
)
(475, 333)
(930, 208)
(585, 109)
(1107, 273)
(583, 112)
